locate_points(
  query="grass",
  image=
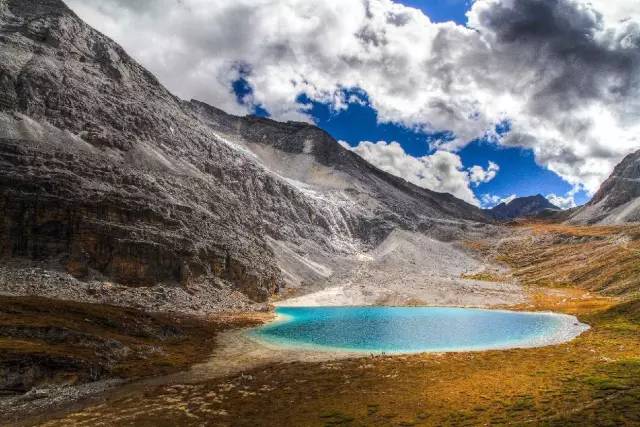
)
(600, 259)
(74, 342)
(592, 380)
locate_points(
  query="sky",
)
(442, 10)
(484, 99)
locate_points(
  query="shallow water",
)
(414, 329)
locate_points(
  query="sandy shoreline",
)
(570, 328)
(240, 350)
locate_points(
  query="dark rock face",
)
(106, 174)
(618, 199)
(135, 236)
(523, 207)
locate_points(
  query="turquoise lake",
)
(414, 329)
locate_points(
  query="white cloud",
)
(491, 200)
(441, 171)
(566, 73)
(478, 175)
(563, 202)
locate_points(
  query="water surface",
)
(414, 329)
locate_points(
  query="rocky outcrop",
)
(108, 176)
(125, 229)
(524, 207)
(618, 199)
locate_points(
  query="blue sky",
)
(442, 10)
(426, 75)
(519, 174)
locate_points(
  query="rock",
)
(524, 207)
(618, 199)
(106, 176)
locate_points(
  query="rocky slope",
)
(111, 182)
(618, 199)
(523, 207)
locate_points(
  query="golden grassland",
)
(595, 379)
(592, 380)
(604, 259)
(486, 276)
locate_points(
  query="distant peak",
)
(523, 207)
(534, 197)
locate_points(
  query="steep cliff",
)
(107, 176)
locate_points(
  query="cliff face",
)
(105, 174)
(618, 199)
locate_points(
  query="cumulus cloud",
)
(563, 202)
(577, 74)
(478, 175)
(491, 200)
(564, 73)
(441, 171)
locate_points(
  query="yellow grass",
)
(601, 259)
(593, 380)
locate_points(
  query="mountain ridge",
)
(522, 207)
(617, 201)
(109, 177)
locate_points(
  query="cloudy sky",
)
(484, 99)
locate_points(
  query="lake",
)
(397, 330)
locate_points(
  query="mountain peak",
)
(124, 180)
(522, 207)
(519, 200)
(35, 8)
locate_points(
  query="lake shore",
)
(587, 380)
(311, 388)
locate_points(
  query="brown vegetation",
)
(52, 342)
(605, 259)
(592, 380)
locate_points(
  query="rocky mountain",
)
(618, 199)
(523, 207)
(108, 181)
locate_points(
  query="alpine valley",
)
(141, 234)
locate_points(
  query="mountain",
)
(618, 199)
(523, 207)
(108, 181)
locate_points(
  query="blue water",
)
(414, 329)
